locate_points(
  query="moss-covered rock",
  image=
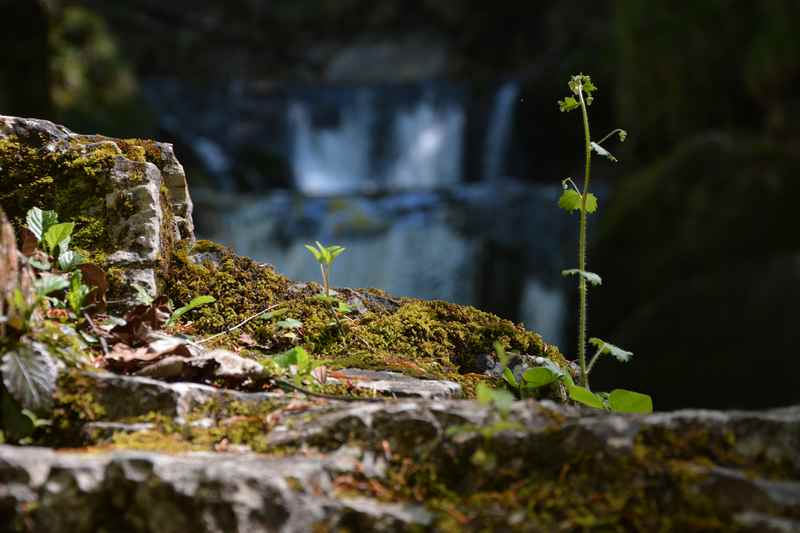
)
(128, 198)
(415, 337)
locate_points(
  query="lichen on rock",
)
(128, 198)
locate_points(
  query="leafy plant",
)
(196, 302)
(325, 256)
(55, 236)
(583, 201)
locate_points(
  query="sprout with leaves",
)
(325, 256)
(582, 200)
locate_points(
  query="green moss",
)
(74, 405)
(415, 337)
(233, 423)
(71, 182)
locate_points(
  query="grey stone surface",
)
(744, 465)
(396, 384)
(137, 239)
(135, 491)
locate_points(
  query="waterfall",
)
(379, 138)
(328, 160)
(498, 135)
(494, 243)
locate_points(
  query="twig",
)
(97, 331)
(240, 324)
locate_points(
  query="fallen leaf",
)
(29, 242)
(141, 321)
(94, 276)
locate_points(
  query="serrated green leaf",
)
(615, 351)
(590, 277)
(568, 104)
(48, 283)
(344, 308)
(626, 401)
(603, 152)
(196, 302)
(29, 375)
(591, 203)
(57, 233)
(69, 260)
(538, 377)
(585, 397)
(39, 221)
(509, 378)
(570, 200)
(289, 323)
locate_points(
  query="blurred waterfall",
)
(498, 137)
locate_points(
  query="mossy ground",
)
(421, 338)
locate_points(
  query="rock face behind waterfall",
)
(204, 440)
(128, 196)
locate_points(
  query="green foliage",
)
(590, 277)
(39, 221)
(33, 345)
(77, 293)
(500, 399)
(58, 236)
(325, 254)
(625, 401)
(583, 201)
(196, 302)
(604, 347)
(29, 376)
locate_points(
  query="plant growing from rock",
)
(325, 256)
(582, 200)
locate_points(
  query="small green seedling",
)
(583, 201)
(196, 302)
(325, 256)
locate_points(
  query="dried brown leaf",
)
(29, 242)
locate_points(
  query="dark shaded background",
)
(698, 247)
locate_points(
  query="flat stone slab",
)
(396, 384)
(136, 491)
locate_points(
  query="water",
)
(372, 138)
(381, 171)
(500, 130)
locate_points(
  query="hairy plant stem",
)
(582, 288)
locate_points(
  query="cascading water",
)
(499, 133)
(376, 138)
(379, 170)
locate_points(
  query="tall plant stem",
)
(582, 288)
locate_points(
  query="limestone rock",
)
(128, 197)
